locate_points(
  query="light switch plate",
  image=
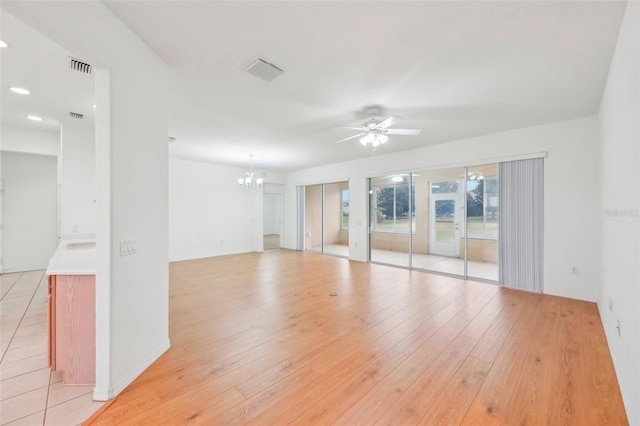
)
(127, 247)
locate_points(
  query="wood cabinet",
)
(72, 324)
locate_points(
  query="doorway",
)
(272, 221)
(445, 218)
(29, 210)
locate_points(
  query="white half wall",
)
(572, 221)
(620, 210)
(132, 292)
(77, 180)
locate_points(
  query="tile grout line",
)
(21, 319)
(13, 336)
(46, 401)
(12, 285)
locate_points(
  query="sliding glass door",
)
(391, 219)
(336, 218)
(313, 218)
(443, 220)
(438, 244)
(326, 228)
(482, 222)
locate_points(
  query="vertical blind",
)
(520, 244)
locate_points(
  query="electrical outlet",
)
(618, 327)
(610, 304)
(575, 271)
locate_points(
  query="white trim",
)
(103, 229)
(322, 182)
(112, 392)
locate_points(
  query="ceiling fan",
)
(375, 131)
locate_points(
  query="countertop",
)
(74, 257)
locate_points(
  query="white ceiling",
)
(452, 69)
(35, 63)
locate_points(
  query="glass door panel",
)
(438, 241)
(390, 219)
(482, 222)
(336, 218)
(313, 218)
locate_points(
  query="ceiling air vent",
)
(263, 70)
(76, 115)
(78, 65)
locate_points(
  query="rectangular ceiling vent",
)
(263, 70)
(78, 65)
(76, 115)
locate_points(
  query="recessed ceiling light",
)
(20, 90)
(3, 44)
(34, 117)
(93, 106)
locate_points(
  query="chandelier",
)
(250, 180)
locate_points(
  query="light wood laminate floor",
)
(258, 339)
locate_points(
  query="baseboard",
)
(113, 391)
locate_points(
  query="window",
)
(344, 214)
(391, 207)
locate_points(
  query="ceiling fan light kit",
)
(375, 139)
(374, 131)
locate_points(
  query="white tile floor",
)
(442, 264)
(30, 394)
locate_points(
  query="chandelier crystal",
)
(250, 180)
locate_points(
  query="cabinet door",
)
(75, 328)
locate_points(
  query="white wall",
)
(30, 141)
(132, 175)
(572, 222)
(77, 180)
(29, 211)
(620, 248)
(209, 213)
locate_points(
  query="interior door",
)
(446, 219)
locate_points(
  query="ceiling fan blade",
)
(351, 137)
(352, 128)
(407, 132)
(389, 122)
